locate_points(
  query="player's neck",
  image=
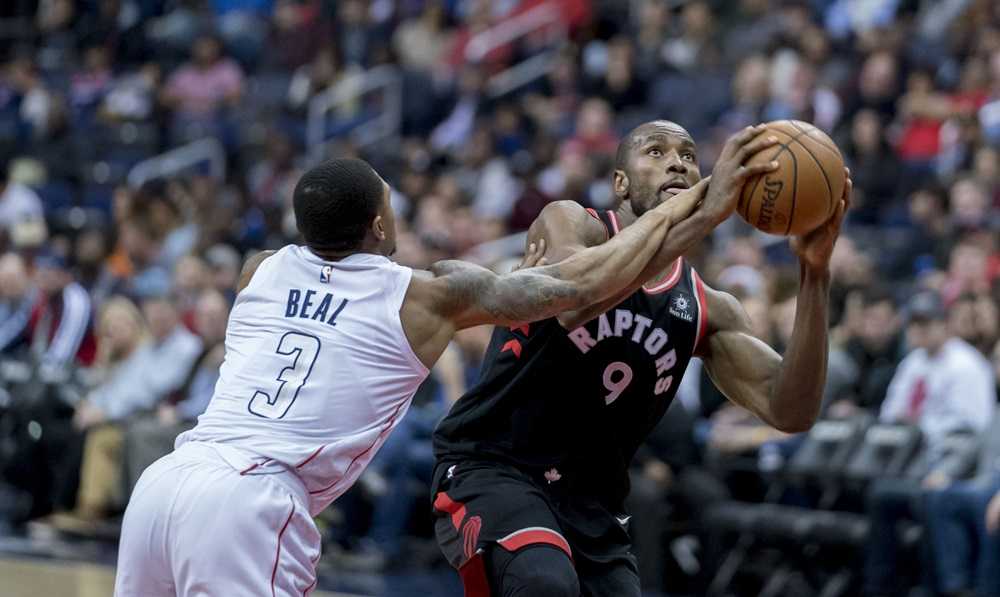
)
(626, 217)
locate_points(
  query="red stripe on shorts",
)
(533, 536)
(443, 503)
(277, 555)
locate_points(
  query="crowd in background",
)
(114, 296)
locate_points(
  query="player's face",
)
(662, 163)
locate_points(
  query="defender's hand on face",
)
(731, 172)
(814, 249)
(685, 202)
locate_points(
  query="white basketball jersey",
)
(317, 371)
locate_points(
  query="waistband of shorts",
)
(247, 464)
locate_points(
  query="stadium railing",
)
(207, 151)
(544, 20)
(353, 88)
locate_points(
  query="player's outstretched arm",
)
(784, 392)
(569, 228)
(455, 294)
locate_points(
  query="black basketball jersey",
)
(578, 403)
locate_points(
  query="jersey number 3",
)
(301, 350)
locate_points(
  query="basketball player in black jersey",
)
(532, 463)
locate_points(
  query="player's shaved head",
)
(335, 203)
(643, 132)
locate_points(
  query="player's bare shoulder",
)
(566, 227)
(250, 267)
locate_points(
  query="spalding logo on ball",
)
(804, 191)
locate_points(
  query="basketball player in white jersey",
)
(326, 345)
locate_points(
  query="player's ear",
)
(620, 184)
(378, 228)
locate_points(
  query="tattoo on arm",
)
(474, 295)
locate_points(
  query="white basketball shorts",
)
(209, 520)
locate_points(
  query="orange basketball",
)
(805, 189)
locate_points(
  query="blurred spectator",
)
(870, 356)
(90, 253)
(224, 270)
(151, 436)
(356, 36)
(200, 88)
(878, 85)
(114, 25)
(973, 318)
(156, 204)
(18, 203)
(421, 42)
(478, 19)
(968, 268)
(89, 84)
(875, 169)
(486, 178)
(844, 17)
(59, 327)
(298, 29)
(53, 460)
(751, 100)
(191, 278)
(620, 84)
(273, 179)
(921, 112)
(17, 298)
(33, 97)
(150, 373)
(135, 267)
(151, 370)
(945, 387)
(923, 390)
(243, 26)
(962, 523)
(931, 231)
(132, 95)
(324, 72)
(693, 47)
(58, 151)
(455, 130)
(594, 134)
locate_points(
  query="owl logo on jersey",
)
(680, 306)
(325, 273)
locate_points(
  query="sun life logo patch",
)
(681, 306)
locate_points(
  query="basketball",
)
(805, 189)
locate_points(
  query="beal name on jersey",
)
(300, 304)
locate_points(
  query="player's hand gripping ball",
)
(804, 191)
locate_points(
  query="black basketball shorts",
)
(483, 505)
